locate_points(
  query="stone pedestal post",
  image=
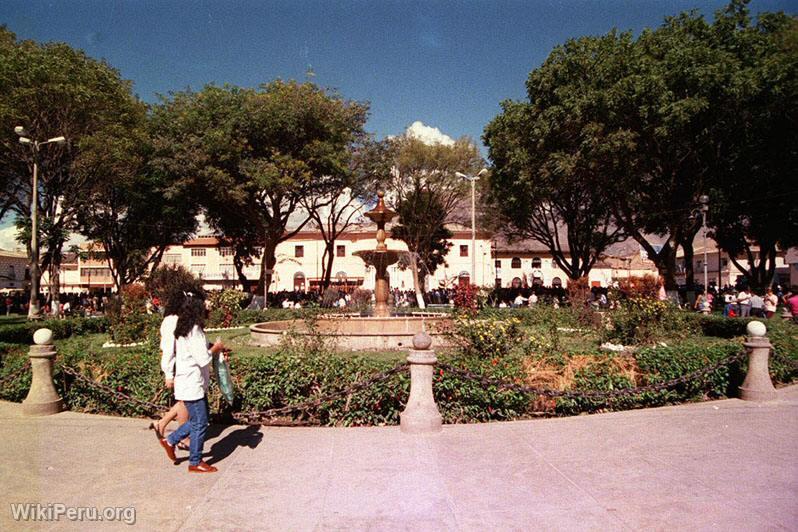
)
(421, 414)
(42, 399)
(757, 385)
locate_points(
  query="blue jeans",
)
(196, 427)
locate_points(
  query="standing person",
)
(771, 302)
(192, 376)
(791, 302)
(178, 411)
(757, 305)
(744, 302)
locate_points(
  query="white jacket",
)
(192, 374)
(168, 346)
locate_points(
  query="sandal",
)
(158, 433)
(183, 447)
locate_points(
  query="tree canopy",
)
(253, 155)
(53, 90)
(648, 124)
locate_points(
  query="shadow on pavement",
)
(249, 436)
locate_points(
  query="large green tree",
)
(541, 188)
(427, 195)
(644, 122)
(130, 208)
(754, 212)
(53, 90)
(253, 155)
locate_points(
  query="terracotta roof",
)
(211, 241)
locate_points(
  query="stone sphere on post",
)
(42, 399)
(757, 385)
(421, 414)
(756, 329)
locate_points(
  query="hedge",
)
(22, 333)
(291, 376)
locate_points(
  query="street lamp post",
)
(704, 201)
(473, 179)
(33, 308)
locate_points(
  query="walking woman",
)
(192, 375)
(174, 301)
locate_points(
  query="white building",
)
(14, 272)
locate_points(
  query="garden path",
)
(725, 465)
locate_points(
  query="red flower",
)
(441, 373)
(495, 361)
(118, 388)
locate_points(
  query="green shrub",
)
(644, 321)
(663, 363)
(484, 337)
(224, 305)
(129, 321)
(22, 333)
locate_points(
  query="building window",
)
(95, 273)
(464, 251)
(498, 263)
(724, 262)
(536, 262)
(198, 269)
(299, 251)
(515, 263)
(197, 252)
(226, 252)
(12, 273)
(171, 258)
(227, 270)
(340, 251)
(299, 281)
(557, 282)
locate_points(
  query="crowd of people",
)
(69, 304)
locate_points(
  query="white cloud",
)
(8, 237)
(428, 134)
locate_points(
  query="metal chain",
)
(16, 373)
(256, 418)
(548, 392)
(152, 407)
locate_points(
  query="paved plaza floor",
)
(725, 465)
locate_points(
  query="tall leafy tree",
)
(53, 90)
(129, 208)
(340, 208)
(254, 155)
(542, 188)
(754, 212)
(427, 195)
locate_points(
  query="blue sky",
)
(446, 64)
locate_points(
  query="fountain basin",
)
(356, 333)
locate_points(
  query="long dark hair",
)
(191, 313)
(176, 294)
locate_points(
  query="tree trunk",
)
(55, 288)
(268, 260)
(246, 284)
(689, 271)
(416, 283)
(327, 264)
